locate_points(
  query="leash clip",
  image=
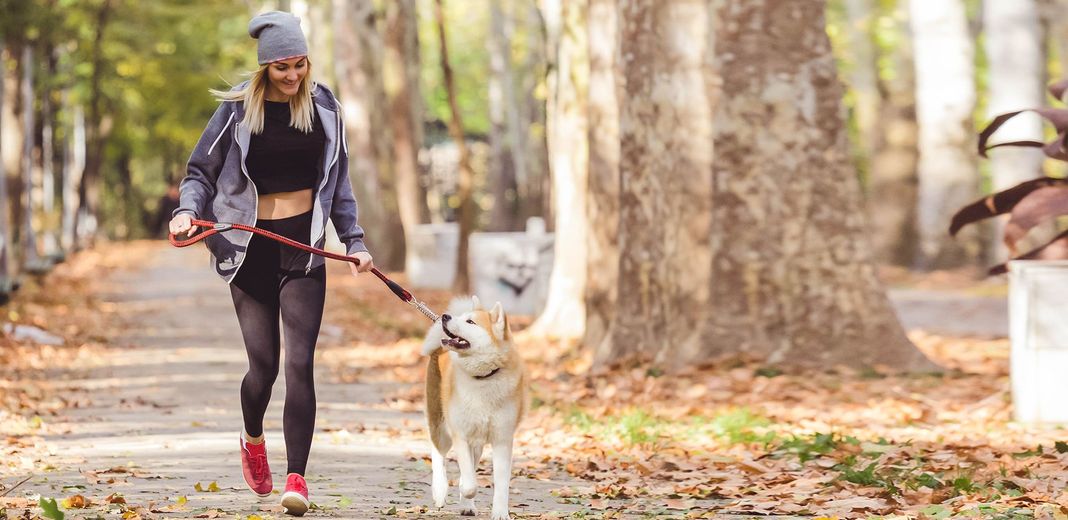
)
(222, 226)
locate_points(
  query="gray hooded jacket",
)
(217, 186)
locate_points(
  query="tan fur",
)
(437, 393)
(475, 396)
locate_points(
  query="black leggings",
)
(272, 281)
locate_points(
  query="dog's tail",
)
(435, 414)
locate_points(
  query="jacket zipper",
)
(231, 118)
(326, 175)
(255, 198)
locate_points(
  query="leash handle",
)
(218, 227)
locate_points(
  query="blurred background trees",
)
(721, 177)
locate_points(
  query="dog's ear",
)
(475, 303)
(500, 322)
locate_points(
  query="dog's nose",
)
(445, 318)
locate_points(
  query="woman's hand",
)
(182, 223)
(366, 263)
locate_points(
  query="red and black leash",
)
(218, 227)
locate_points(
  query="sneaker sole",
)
(295, 504)
(261, 495)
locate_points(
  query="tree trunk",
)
(7, 264)
(891, 197)
(1059, 32)
(564, 315)
(48, 169)
(73, 169)
(602, 195)
(665, 179)
(316, 27)
(98, 127)
(359, 88)
(792, 276)
(30, 255)
(1017, 65)
(461, 283)
(507, 164)
(864, 74)
(534, 198)
(945, 99)
(12, 150)
(405, 123)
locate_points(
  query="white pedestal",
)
(1038, 329)
(512, 268)
(431, 259)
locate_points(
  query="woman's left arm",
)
(344, 211)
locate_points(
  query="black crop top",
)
(283, 158)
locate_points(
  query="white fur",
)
(479, 411)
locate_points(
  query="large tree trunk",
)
(564, 314)
(891, 198)
(665, 171)
(507, 161)
(1017, 65)
(358, 72)
(465, 184)
(402, 87)
(792, 277)
(945, 98)
(602, 195)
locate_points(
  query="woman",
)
(274, 155)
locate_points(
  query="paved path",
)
(951, 312)
(164, 406)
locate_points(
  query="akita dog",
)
(475, 395)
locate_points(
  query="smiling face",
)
(285, 77)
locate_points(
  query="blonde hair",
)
(254, 94)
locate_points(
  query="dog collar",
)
(494, 371)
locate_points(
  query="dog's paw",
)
(433, 339)
(501, 515)
(439, 497)
(467, 505)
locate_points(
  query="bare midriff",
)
(273, 206)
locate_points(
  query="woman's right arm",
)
(198, 187)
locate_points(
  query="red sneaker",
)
(254, 466)
(295, 499)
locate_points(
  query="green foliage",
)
(154, 63)
(50, 508)
(740, 425)
(466, 27)
(809, 447)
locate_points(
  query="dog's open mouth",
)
(453, 340)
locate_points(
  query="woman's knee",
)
(299, 366)
(263, 368)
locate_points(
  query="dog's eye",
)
(471, 322)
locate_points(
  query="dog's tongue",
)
(453, 342)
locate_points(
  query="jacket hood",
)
(321, 95)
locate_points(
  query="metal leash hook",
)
(217, 227)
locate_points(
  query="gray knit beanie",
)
(279, 36)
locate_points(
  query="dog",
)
(475, 395)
